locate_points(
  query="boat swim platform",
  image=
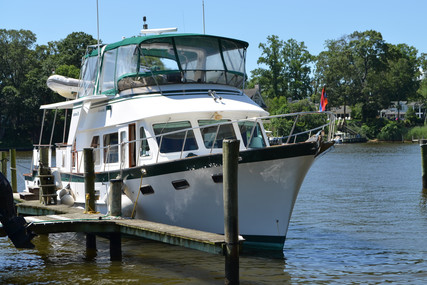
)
(60, 218)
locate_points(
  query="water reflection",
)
(423, 201)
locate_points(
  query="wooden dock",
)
(59, 218)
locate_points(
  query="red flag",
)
(323, 101)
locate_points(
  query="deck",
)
(59, 218)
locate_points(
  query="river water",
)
(360, 218)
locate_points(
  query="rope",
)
(22, 166)
(90, 211)
(143, 172)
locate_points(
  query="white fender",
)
(57, 179)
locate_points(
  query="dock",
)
(44, 219)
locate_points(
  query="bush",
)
(393, 131)
(417, 133)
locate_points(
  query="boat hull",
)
(269, 180)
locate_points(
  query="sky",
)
(309, 21)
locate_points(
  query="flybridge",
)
(156, 60)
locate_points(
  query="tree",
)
(403, 71)
(271, 79)
(287, 71)
(24, 69)
(71, 49)
(422, 90)
(353, 70)
(296, 64)
(16, 60)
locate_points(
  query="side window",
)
(214, 135)
(111, 148)
(177, 141)
(250, 128)
(122, 146)
(95, 145)
(144, 149)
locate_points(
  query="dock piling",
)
(4, 163)
(89, 177)
(423, 145)
(115, 246)
(12, 153)
(231, 221)
(115, 197)
(90, 246)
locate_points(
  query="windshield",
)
(160, 60)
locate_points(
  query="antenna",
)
(203, 6)
(146, 31)
(145, 26)
(97, 28)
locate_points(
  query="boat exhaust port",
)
(217, 178)
(180, 184)
(146, 189)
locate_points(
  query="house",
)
(255, 95)
(339, 112)
(398, 109)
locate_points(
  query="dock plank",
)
(60, 218)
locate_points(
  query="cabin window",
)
(214, 135)
(144, 150)
(122, 147)
(158, 56)
(175, 142)
(111, 148)
(127, 60)
(234, 56)
(95, 145)
(251, 128)
(88, 73)
(108, 70)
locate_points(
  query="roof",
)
(153, 38)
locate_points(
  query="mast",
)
(203, 6)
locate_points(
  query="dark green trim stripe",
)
(197, 162)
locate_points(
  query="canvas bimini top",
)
(163, 59)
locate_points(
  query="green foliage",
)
(73, 47)
(282, 126)
(24, 69)
(68, 70)
(364, 71)
(393, 131)
(371, 128)
(410, 117)
(417, 133)
(288, 69)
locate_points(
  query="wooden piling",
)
(115, 197)
(90, 246)
(44, 156)
(423, 145)
(89, 177)
(231, 223)
(4, 163)
(12, 154)
(115, 246)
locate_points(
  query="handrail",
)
(256, 120)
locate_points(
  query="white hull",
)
(201, 205)
(267, 193)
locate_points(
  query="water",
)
(360, 218)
